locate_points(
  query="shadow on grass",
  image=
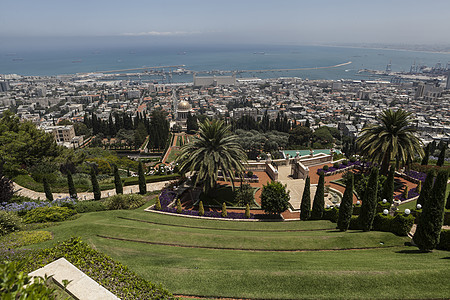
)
(411, 251)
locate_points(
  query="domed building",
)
(182, 112)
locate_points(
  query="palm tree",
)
(392, 139)
(216, 148)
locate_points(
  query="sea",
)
(248, 60)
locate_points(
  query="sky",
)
(286, 22)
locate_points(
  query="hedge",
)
(89, 206)
(48, 214)
(444, 240)
(401, 224)
(150, 179)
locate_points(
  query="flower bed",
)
(341, 168)
(411, 194)
(22, 208)
(414, 176)
(167, 199)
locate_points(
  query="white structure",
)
(214, 80)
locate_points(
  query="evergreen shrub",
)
(89, 206)
(120, 201)
(9, 222)
(444, 240)
(201, 209)
(224, 210)
(48, 214)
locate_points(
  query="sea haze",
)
(206, 58)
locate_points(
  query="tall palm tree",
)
(392, 138)
(216, 148)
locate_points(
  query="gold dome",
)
(184, 106)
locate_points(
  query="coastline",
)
(379, 48)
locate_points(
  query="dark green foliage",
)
(431, 219)
(47, 190)
(305, 206)
(346, 207)
(388, 187)
(326, 167)
(17, 285)
(447, 205)
(382, 206)
(224, 210)
(319, 199)
(95, 186)
(89, 206)
(191, 123)
(201, 209)
(426, 188)
(117, 181)
(441, 158)
(444, 240)
(382, 222)
(354, 223)
(426, 155)
(120, 201)
(179, 207)
(369, 202)
(6, 186)
(244, 195)
(9, 222)
(72, 190)
(336, 165)
(142, 183)
(274, 198)
(247, 211)
(402, 224)
(419, 187)
(405, 192)
(48, 214)
(331, 214)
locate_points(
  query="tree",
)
(274, 198)
(95, 186)
(319, 199)
(244, 194)
(426, 155)
(388, 187)
(392, 139)
(426, 188)
(179, 207)
(6, 186)
(201, 209)
(447, 205)
(47, 189)
(117, 181)
(346, 207)
(142, 182)
(430, 222)
(305, 206)
(369, 202)
(247, 211)
(191, 123)
(224, 210)
(72, 189)
(441, 158)
(216, 148)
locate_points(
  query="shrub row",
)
(150, 179)
(120, 201)
(89, 206)
(444, 241)
(48, 214)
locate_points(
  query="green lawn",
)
(173, 155)
(183, 263)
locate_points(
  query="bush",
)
(157, 204)
(179, 208)
(89, 206)
(121, 201)
(244, 195)
(331, 214)
(325, 168)
(402, 224)
(336, 165)
(354, 223)
(9, 222)
(382, 222)
(345, 162)
(353, 159)
(48, 214)
(224, 210)
(444, 241)
(382, 206)
(249, 174)
(201, 209)
(274, 198)
(247, 211)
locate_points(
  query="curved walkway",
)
(154, 186)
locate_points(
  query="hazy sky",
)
(231, 21)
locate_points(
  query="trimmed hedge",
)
(48, 214)
(382, 206)
(121, 201)
(150, 179)
(444, 240)
(331, 214)
(89, 206)
(401, 224)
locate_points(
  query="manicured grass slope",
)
(386, 272)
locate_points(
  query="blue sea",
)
(224, 58)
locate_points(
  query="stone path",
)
(154, 186)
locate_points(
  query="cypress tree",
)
(369, 202)
(305, 206)
(426, 156)
(72, 189)
(142, 183)
(419, 187)
(440, 161)
(430, 222)
(47, 189)
(224, 210)
(319, 199)
(405, 192)
(117, 181)
(247, 211)
(201, 209)
(388, 188)
(447, 205)
(346, 207)
(179, 208)
(157, 204)
(95, 186)
(426, 188)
